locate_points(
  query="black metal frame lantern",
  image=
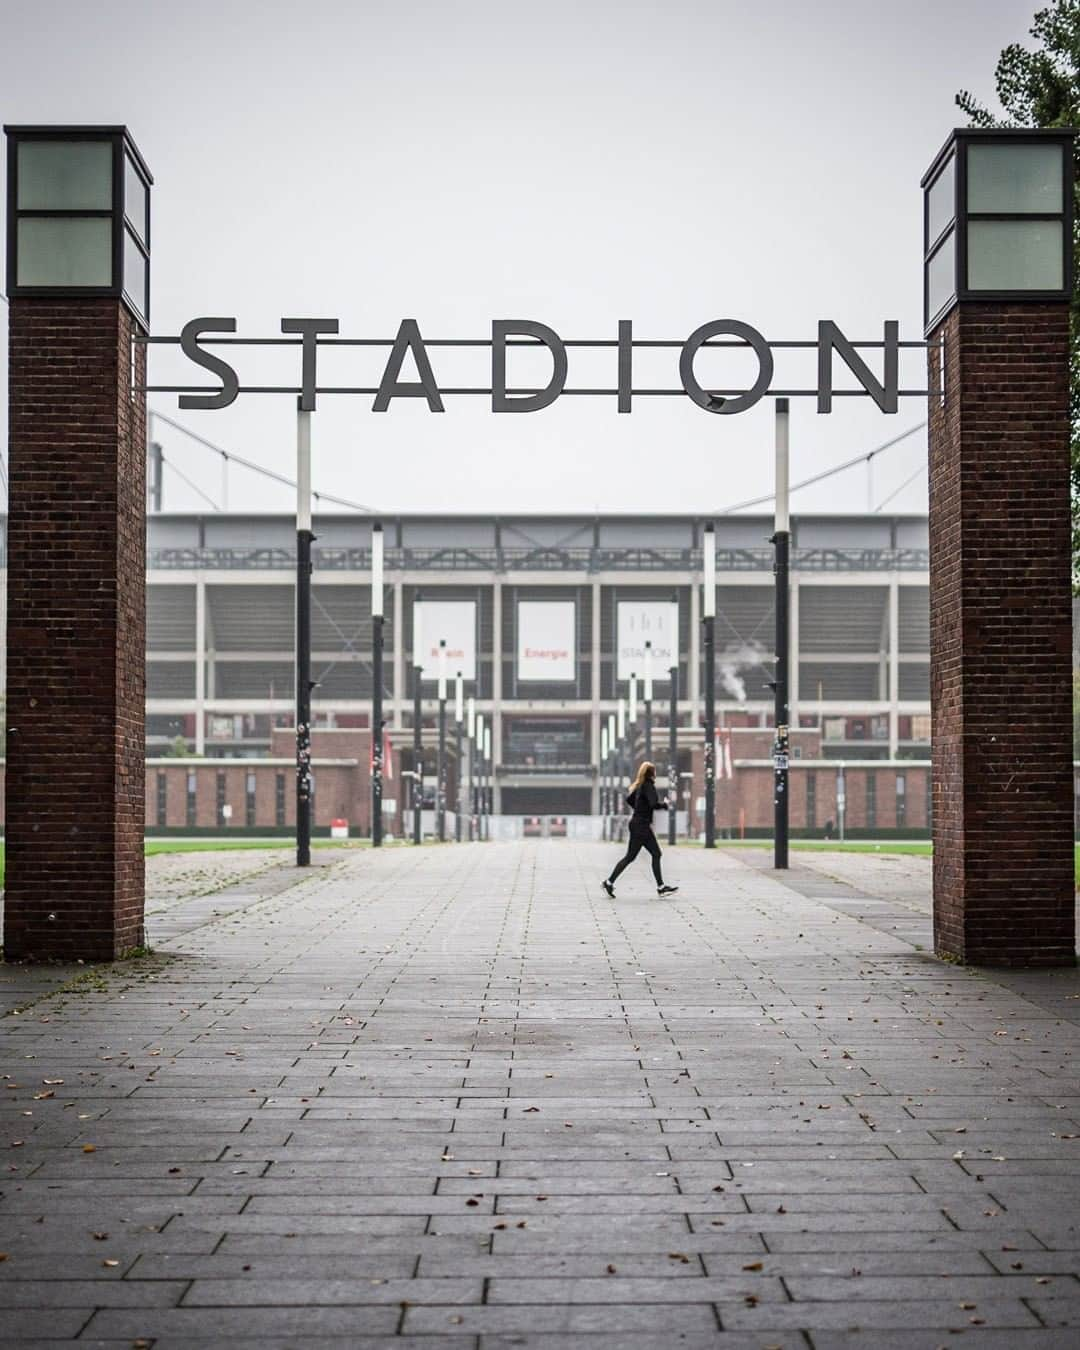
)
(78, 215)
(998, 220)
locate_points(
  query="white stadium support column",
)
(496, 695)
(200, 664)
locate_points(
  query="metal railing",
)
(458, 559)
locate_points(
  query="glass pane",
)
(1014, 255)
(941, 276)
(135, 199)
(1018, 177)
(941, 200)
(64, 251)
(135, 273)
(65, 176)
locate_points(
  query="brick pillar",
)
(1001, 635)
(75, 631)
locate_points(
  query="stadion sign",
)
(409, 345)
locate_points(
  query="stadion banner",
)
(454, 620)
(546, 640)
(641, 621)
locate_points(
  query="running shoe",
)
(609, 888)
(666, 890)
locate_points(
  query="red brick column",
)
(76, 632)
(1000, 636)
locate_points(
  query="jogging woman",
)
(643, 800)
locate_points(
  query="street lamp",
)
(418, 753)
(708, 619)
(440, 771)
(673, 754)
(376, 684)
(997, 219)
(459, 777)
(603, 779)
(471, 738)
(79, 215)
(781, 541)
(480, 775)
(304, 538)
(490, 766)
(648, 700)
(612, 740)
(632, 715)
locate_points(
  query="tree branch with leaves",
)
(1040, 87)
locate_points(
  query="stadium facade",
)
(514, 593)
(546, 613)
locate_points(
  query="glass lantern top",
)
(1010, 177)
(64, 176)
(998, 219)
(78, 214)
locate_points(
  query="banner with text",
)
(641, 621)
(546, 632)
(454, 620)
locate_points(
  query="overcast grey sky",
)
(572, 161)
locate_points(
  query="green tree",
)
(1040, 87)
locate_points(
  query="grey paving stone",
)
(291, 1114)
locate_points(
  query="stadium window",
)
(811, 800)
(871, 800)
(279, 800)
(221, 798)
(162, 799)
(901, 801)
(189, 811)
(249, 800)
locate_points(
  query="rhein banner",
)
(454, 620)
(546, 632)
(641, 621)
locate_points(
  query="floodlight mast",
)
(304, 539)
(708, 620)
(782, 544)
(377, 637)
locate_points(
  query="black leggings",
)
(638, 840)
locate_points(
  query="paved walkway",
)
(454, 1097)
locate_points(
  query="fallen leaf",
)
(755, 1265)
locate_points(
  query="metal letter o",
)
(698, 338)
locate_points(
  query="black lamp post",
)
(613, 770)
(440, 768)
(304, 538)
(631, 723)
(459, 777)
(603, 781)
(418, 754)
(708, 619)
(376, 685)
(648, 700)
(489, 788)
(478, 786)
(781, 542)
(673, 754)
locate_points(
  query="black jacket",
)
(644, 802)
